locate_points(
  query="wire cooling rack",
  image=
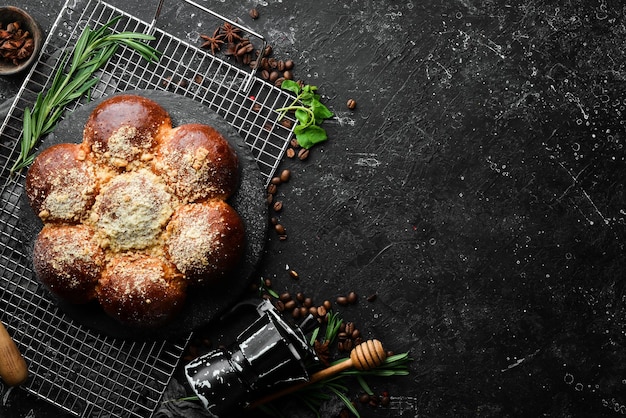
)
(74, 368)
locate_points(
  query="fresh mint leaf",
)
(310, 135)
(309, 111)
(291, 85)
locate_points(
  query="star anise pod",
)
(214, 42)
(230, 32)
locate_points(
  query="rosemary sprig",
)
(92, 51)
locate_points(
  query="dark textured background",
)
(477, 190)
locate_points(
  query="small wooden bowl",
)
(10, 14)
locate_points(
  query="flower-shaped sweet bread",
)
(137, 213)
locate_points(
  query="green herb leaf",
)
(310, 135)
(310, 113)
(91, 53)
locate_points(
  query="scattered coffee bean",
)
(372, 298)
(265, 75)
(278, 206)
(294, 143)
(254, 13)
(280, 65)
(342, 300)
(351, 104)
(285, 297)
(352, 298)
(280, 306)
(308, 302)
(256, 107)
(274, 220)
(280, 230)
(295, 313)
(285, 175)
(275, 180)
(282, 237)
(279, 82)
(272, 188)
(290, 305)
(198, 79)
(288, 75)
(303, 154)
(300, 297)
(268, 51)
(270, 198)
(303, 311)
(274, 76)
(287, 124)
(327, 305)
(313, 311)
(288, 65)
(321, 311)
(290, 153)
(294, 275)
(364, 398)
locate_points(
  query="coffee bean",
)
(308, 302)
(285, 175)
(364, 398)
(280, 66)
(287, 124)
(290, 153)
(265, 75)
(294, 143)
(352, 298)
(355, 334)
(278, 206)
(267, 51)
(351, 104)
(273, 63)
(280, 306)
(303, 154)
(385, 401)
(300, 297)
(295, 313)
(313, 311)
(290, 305)
(256, 107)
(279, 83)
(254, 13)
(274, 76)
(282, 237)
(342, 336)
(372, 298)
(285, 297)
(275, 180)
(280, 230)
(272, 188)
(342, 300)
(294, 274)
(289, 64)
(274, 220)
(288, 75)
(321, 310)
(270, 198)
(303, 311)
(349, 328)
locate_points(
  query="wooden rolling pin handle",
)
(13, 368)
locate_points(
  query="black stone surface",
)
(477, 190)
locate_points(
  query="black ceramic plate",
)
(202, 304)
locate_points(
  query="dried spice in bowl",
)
(21, 39)
(16, 44)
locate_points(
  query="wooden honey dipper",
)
(365, 356)
(13, 368)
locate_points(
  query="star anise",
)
(214, 42)
(230, 32)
